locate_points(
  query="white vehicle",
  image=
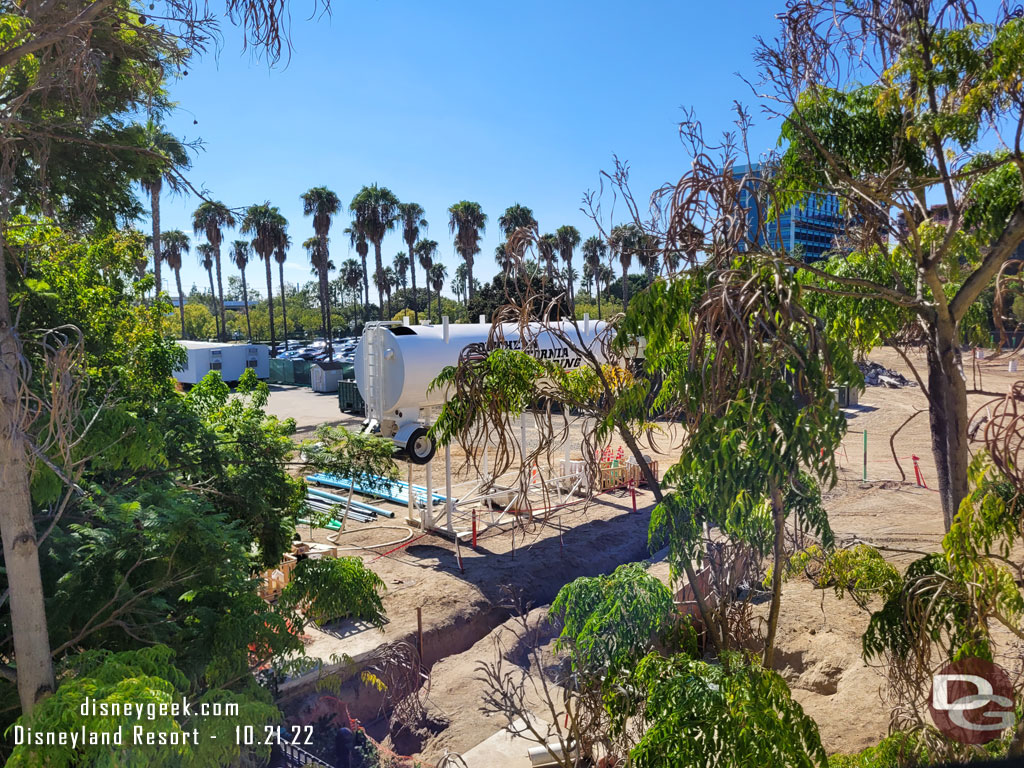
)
(394, 365)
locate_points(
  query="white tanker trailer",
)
(394, 365)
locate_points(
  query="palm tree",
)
(467, 220)
(322, 204)
(280, 256)
(426, 252)
(647, 252)
(176, 243)
(205, 251)
(240, 255)
(623, 243)
(503, 258)
(209, 218)
(515, 217)
(459, 284)
(375, 210)
(401, 265)
(390, 280)
(352, 277)
(546, 247)
(413, 225)
(168, 156)
(357, 239)
(438, 272)
(568, 238)
(594, 251)
(266, 224)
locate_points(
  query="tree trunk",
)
(154, 201)
(947, 413)
(597, 282)
(17, 529)
(213, 298)
(412, 270)
(220, 293)
(779, 519)
(270, 303)
(181, 300)
(366, 283)
(625, 288)
(379, 276)
(691, 575)
(284, 308)
(325, 307)
(469, 279)
(245, 300)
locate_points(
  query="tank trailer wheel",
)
(420, 448)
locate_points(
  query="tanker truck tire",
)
(420, 448)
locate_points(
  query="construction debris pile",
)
(876, 375)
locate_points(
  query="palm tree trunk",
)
(220, 293)
(154, 201)
(380, 268)
(597, 282)
(17, 528)
(270, 302)
(213, 298)
(245, 300)
(469, 280)
(284, 308)
(181, 300)
(325, 303)
(625, 288)
(366, 285)
(412, 271)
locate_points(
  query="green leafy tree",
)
(946, 86)
(200, 323)
(466, 221)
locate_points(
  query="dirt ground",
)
(819, 635)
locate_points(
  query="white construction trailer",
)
(394, 365)
(230, 360)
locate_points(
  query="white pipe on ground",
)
(444, 328)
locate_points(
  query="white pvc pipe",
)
(586, 323)
(405, 320)
(444, 328)
(411, 497)
(483, 319)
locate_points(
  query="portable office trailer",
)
(230, 360)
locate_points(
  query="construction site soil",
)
(463, 608)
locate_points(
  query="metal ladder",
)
(373, 360)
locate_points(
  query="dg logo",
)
(972, 701)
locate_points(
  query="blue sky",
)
(443, 101)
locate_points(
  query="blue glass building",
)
(809, 228)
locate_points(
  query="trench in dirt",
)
(542, 573)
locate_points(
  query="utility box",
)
(349, 399)
(325, 377)
(230, 360)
